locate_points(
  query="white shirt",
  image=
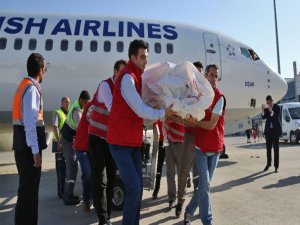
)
(218, 109)
(134, 101)
(31, 108)
(105, 95)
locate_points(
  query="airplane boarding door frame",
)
(212, 51)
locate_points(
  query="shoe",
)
(71, 201)
(188, 182)
(224, 156)
(266, 168)
(187, 219)
(178, 209)
(276, 170)
(171, 203)
(86, 206)
(154, 195)
(195, 189)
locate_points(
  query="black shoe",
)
(178, 209)
(276, 170)
(154, 195)
(187, 219)
(224, 156)
(71, 201)
(266, 168)
(188, 182)
(171, 203)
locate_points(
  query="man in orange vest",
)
(125, 128)
(102, 164)
(209, 143)
(29, 139)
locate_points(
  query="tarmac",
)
(241, 193)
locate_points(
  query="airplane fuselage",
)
(81, 51)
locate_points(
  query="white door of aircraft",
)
(212, 51)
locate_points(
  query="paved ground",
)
(241, 193)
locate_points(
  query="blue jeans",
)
(206, 166)
(85, 166)
(129, 164)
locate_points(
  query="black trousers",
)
(26, 211)
(160, 163)
(103, 174)
(272, 140)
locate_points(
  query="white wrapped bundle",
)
(182, 85)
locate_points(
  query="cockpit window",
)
(253, 55)
(249, 53)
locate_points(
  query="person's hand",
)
(190, 122)
(270, 108)
(170, 115)
(37, 160)
(59, 147)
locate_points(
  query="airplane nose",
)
(279, 87)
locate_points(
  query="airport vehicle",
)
(81, 51)
(290, 121)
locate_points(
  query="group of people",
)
(102, 139)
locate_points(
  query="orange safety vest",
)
(19, 136)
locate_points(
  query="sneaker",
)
(171, 203)
(178, 209)
(86, 206)
(187, 219)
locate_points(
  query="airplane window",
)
(169, 48)
(32, 44)
(3, 43)
(107, 46)
(18, 44)
(78, 45)
(253, 55)
(49, 44)
(93, 46)
(120, 46)
(246, 53)
(64, 45)
(157, 48)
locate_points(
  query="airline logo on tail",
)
(86, 27)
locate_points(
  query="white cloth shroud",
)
(166, 83)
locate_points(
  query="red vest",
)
(175, 131)
(100, 115)
(82, 136)
(212, 140)
(125, 128)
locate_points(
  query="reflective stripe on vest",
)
(175, 132)
(100, 115)
(70, 120)
(17, 113)
(62, 118)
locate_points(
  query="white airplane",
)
(81, 52)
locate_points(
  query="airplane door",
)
(212, 51)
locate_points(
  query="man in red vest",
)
(209, 143)
(125, 128)
(81, 146)
(102, 164)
